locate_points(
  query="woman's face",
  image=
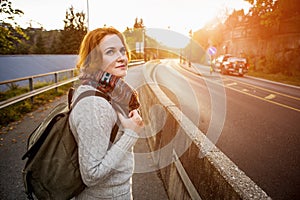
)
(114, 59)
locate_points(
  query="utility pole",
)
(145, 43)
(88, 15)
(190, 54)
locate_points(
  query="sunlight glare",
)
(169, 38)
(176, 15)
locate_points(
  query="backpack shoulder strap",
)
(84, 94)
(114, 132)
(70, 95)
(92, 93)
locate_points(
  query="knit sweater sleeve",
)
(91, 122)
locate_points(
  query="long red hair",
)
(90, 57)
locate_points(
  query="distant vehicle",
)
(217, 62)
(229, 64)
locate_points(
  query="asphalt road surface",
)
(254, 122)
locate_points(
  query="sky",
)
(177, 15)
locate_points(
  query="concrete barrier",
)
(193, 168)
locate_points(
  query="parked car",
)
(217, 62)
(229, 64)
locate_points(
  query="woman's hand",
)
(133, 122)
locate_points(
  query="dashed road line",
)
(270, 96)
(231, 84)
(261, 88)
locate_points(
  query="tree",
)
(264, 12)
(289, 8)
(40, 45)
(73, 33)
(54, 48)
(7, 12)
(10, 35)
(139, 24)
(269, 12)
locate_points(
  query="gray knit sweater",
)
(106, 171)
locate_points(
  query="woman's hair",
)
(90, 56)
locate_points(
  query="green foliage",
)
(16, 111)
(269, 12)
(138, 24)
(7, 11)
(14, 90)
(276, 62)
(73, 33)
(15, 40)
(10, 38)
(54, 48)
(279, 70)
(43, 42)
(273, 65)
(261, 22)
(39, 47)
(10, 35)
(279, 77)
(264, 10)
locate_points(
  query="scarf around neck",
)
(123, 97)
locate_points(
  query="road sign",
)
(212, 51)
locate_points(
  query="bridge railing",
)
(57, 83)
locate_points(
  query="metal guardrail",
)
(33, 92)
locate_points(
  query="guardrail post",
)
(31, 88)
(56, 80)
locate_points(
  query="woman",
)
(106, 169)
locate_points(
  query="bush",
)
(17, 111)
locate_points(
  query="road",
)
(254, 122)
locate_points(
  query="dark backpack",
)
(52, 168)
